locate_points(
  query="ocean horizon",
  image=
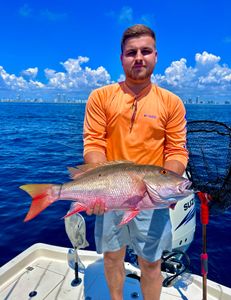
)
(84, 101)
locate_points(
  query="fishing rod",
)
(204, 210)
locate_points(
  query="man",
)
(137, 121)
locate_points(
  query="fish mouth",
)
(185, 187)
(179, 191)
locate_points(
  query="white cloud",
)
(121, 78)
(30, 72)
(52, 16)
(206, 59)
(125, 15)
(205, 62)
(76, 77)
(74, 65)
(11, 81)
(178, 74)
(26, 11)
(36, 84)
(208, 78)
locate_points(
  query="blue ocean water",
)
(37, 143)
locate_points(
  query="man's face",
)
(139, 58)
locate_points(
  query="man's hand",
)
(97, 208)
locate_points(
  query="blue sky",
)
(70, 47)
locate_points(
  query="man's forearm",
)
(94, 157)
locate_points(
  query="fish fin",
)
(75, 208)
(81, 169)
(107, 162)
(128, 216)
(41, 198)
(74, 173)
(115, 162)
(88, 167)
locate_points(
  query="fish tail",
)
(42, 196)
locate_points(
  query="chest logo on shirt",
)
(150, 116)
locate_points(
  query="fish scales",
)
(113, 184)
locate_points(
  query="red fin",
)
(75, 208)
(128, 216)
(41, 198)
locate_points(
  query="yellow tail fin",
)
(42, 196)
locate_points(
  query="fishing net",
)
(209, 167)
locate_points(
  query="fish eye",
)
(163, 172)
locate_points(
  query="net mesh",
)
(209, 167)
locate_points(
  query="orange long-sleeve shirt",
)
(148, 128)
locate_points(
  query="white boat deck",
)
(42, 272)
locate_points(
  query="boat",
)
(42, 272)
(57, 273)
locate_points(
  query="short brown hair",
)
(136, 31)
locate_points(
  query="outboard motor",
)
(183, 218)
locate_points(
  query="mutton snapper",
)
(121, 185)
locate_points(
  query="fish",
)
(121, 185)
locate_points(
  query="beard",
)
(139, 74)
